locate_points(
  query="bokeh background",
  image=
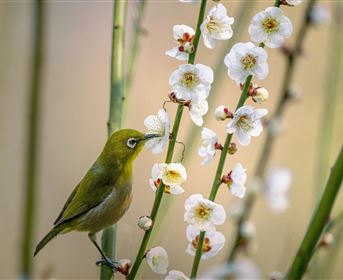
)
(75, 95)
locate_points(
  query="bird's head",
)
(126, 144)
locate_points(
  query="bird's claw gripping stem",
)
(111, 264)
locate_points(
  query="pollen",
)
(245, 123)
(270, 25)
(206, 246)
(249, 61)
(213, 26)
(203, 212)
(190, 79)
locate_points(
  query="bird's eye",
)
(131, 143)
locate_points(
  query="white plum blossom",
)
(197, 109)
(246, 59)
(183, 36)
(221, 113)
(216, 26)
(157, 124)
(172, 175)
(190, 82)
(246, 122)
(209, 141)
(293, 2)
(176, 275)
(189, 1)
(203, 213)
(236, 180)
(278, 182)
(157, 259)
(213, 242)
(271, 27)
(241, 268)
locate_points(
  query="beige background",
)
(73, 131)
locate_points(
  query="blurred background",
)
(74, 112)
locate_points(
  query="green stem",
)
(318, 221)
(32, 142)
(135, 44)
(270, 138)
(169, 157)
(217, 179)
(117, 97)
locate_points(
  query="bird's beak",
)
(150, 136)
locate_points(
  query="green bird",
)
(104, 194)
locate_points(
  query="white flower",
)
(183, 36)
(246, 59)
(158, 260)
(271, 27)
(203, 213)
(190, 81)
(293, 2)
(246, 122)
(319, 14)
(221, 113)
(189, 1)
(157, 124)
(172, 175)
(208, 149)
(236, 180)
(213, 242)
(277, 186)
(260, 95)
(197, 109)
(176, 275)
(216, 26)
(242, 268)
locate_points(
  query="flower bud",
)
(145, 223)
(222, 113)
(276, 275)
(326, 240)
(248, 230)
(232, 148)
(261, 95)
(124, 266)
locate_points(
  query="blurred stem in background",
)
(320, 267)
(117, 98)
(134, 44)
(318, 221)
(169, 157)
(32, 141)
(240, 24)
(284, 97)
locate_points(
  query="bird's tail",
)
(52, 233)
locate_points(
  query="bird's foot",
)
(111, 264)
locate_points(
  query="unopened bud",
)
(222, 113)
(145, 223)
(260, 95)
(232, 148)
(327, 240)
(172, 97)
(276, 275)
(226, 179)
(124, 266)
(248, 230)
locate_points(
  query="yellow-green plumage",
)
(105, 192)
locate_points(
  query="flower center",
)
(189, 80)
(213, 26)
(249, 61)
(173, 175)
(270, 25)
(206, 246)
(186, 43)
(203, 212)
(245, 122)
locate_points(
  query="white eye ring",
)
(131, 143)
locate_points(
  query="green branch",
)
(217, 179)
(32, 142)
(169, 157)
(117, 98)
(318, 221)
(270, 138)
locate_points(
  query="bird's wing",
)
(90, 192)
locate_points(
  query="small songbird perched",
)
(105, 192)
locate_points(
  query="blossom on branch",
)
(176, 275)
(209, 141)
(183, 35)
(235, 180)
(157, 259)
(216, 26)
(246, 122)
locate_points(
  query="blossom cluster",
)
(190, 87)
